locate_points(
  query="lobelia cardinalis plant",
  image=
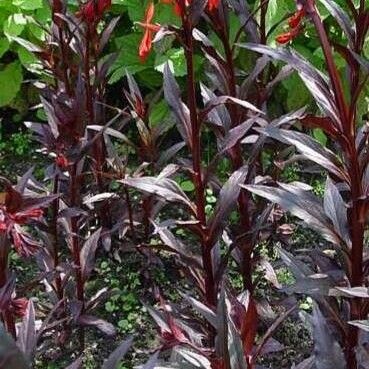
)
(74, 106)
(342, 217)
(231, 118)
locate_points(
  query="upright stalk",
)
(348, 126)
(210, 292)
(7, 316)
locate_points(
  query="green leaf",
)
(128, 57)
(14, 25)
(28, 4)
(11, 77)
(4, 46)
(187, 186)
(176, 60)
(158, 113)
(320, 136)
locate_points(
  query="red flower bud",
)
(93, 10)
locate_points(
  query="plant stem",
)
(210, 291)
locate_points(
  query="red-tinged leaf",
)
(106, 33)
(166, 188)
(177, 246)
(351, 292)
(219, 115)
(309, 147)
(196, 360)
(323, 123)
(269, 273)
(10, 355)
(235, 135)
(168, 154)
(219, 100)
(117, 355)
(87, 254)
(342, 19)
(151, 363)
(227, 200)
(314, 80)
(249, 327)
(6, 292)
(271, 330)
(336, 210)
(27, 337)
(77, 364)
(203, 310)
(180, 110)
(301, 204)
(101, 324)
(362, 324)
(328, 353)
(306, 364)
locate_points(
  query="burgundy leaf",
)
(117, 355)
(101, 324)
(166, 188)
(10, 355)
(27, 337)
(87, 254)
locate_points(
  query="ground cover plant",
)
(184, 148)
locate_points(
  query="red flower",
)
(146, 43)
(93, 10)
(213, 4)
(61, 161)
(176, 7)
(294, 23)
(288, 36)
(296, 19)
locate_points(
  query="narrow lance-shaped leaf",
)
(301, 206)
(341, 17)
(227, 200)
(10, 355)
(77, 364)
(328, 353)
(166, 188)
(87, 254)
(336, 210)
(315, 81)
(309, 147)
(117, 355)
(180, 110)
(27, 338)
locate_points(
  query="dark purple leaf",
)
(101, 324)
(336, 210)
(342, 18)
(27, 337)
(328, 353)
(180, 110)
(309, 147)
(166, 188)
(77, 364)
(117, 355)
(228, 196)
(10, 355)
(87, 253)
(300, 205)
(314, 80)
